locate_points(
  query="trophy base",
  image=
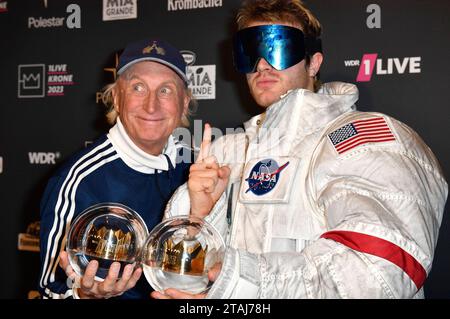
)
(161, 280)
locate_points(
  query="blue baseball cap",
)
(153, 50)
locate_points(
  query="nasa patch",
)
(264, 176)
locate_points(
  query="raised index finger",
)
(206, 144)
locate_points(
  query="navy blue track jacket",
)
(112, 169)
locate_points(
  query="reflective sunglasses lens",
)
(281, 46)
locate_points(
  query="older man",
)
(135, 164)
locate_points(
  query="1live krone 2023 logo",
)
(371, 64)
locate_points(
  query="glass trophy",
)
(180, 252)
(106, 232)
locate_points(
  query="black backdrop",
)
(57, 54)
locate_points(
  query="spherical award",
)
(179, 253)
(106, 232)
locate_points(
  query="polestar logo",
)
(73, 20)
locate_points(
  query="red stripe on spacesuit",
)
(383, 249)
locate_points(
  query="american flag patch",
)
(373, 130)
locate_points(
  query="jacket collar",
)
(136, 158)
(301, 112)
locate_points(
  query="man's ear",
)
(314, 64)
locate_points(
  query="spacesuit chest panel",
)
(268, 180)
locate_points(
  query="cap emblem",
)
(154, 46)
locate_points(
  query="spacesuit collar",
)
(304, 112)
(136, 158)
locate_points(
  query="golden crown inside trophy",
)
(109, 243)
(185, 257)
(180, 252)
(107, 233)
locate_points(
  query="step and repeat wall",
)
(57, 55)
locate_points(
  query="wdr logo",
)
(370, 64)
(43, 157)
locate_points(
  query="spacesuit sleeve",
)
(383, 205)
(180, 204)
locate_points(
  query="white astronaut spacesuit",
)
(325, 202)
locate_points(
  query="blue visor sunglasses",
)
(281, 46)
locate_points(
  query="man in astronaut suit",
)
(345, 204)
